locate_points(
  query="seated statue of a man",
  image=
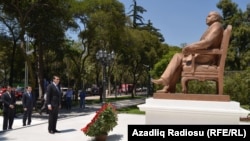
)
(211, 39)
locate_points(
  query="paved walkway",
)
(70, 123)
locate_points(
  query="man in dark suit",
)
(27, 100)
(9, 101)
(53, 103)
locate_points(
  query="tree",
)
(46, 30)
(140, 48)
(239, 49)
(48, 33)
(14, 16)
(149, 27)
(137, 19)
(103, 22)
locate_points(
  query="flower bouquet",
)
(103, 122)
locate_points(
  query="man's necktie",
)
(9, 94)
(57, 88)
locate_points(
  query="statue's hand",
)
(186, 50)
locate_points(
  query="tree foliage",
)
(101, 24)
(239, 49)
(237, 85)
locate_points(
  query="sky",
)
(179, 21)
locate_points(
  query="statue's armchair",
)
(207, 72)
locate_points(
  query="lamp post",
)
(105, 59)
(149, 80)
(28, 52)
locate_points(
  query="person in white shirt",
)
(44, 107)
(69, 95)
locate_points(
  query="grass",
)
(128, 110)
(131, 110)
(247, 107)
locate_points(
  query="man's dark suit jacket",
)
(53, 96)
(7, 101)
(27, 100)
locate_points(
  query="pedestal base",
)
(200, 97)
(172, 111)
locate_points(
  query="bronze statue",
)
(211, 39)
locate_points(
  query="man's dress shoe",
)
(56, 131)
(51, 132)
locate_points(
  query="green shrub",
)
(236, 84)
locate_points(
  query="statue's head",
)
(212, 17)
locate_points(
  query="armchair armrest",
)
(210, 52)
(213, 51)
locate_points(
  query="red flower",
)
(104, 121)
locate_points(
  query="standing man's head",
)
(29, 89)
(56, 79)
(8, 88)
(212, 17)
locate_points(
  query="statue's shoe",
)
(164, 90)
(159, 81)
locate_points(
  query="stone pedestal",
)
(184, 111)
